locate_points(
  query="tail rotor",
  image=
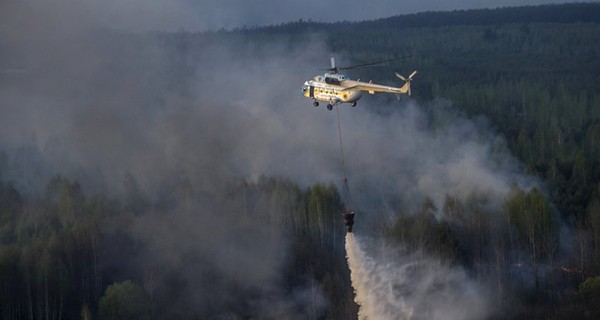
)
(407, 80)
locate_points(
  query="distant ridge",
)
(552, 13)
(559, 13)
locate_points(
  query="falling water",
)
(388, 286)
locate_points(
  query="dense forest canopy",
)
(180, 171)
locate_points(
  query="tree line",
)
(68, 255)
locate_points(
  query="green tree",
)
(86, 314)
(593, 224)
(589, 291)
(68, 198)
(124, 301)
(421, 230)
(525, 147)
(324, 206)
(471, 223)
(536, 225)
(592, 140)
(590, 287)
(11, 205)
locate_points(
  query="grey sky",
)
(195, 15)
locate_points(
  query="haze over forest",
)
(184, 171)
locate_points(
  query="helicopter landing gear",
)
(330, 107)
(353, 103)
(316, 103)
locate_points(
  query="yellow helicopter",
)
(335, 88)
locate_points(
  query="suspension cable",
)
(346, 188)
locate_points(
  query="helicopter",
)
(335, 88)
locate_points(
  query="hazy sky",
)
(194, 15)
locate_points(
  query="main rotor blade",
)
(372, 64)
(400, 76)
(335, 69)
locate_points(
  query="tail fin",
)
(406, 87)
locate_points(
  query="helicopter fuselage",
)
(331, 88)
(336, 88)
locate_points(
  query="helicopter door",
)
(312, 92)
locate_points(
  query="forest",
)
(272, 247)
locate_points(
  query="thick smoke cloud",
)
(411, 155)
(211, 261)
(106, 107)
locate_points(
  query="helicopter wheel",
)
(329, 107)
(315, 104)
(353, 103)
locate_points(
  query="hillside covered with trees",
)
(533, 74)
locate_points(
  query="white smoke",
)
(405, 286)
